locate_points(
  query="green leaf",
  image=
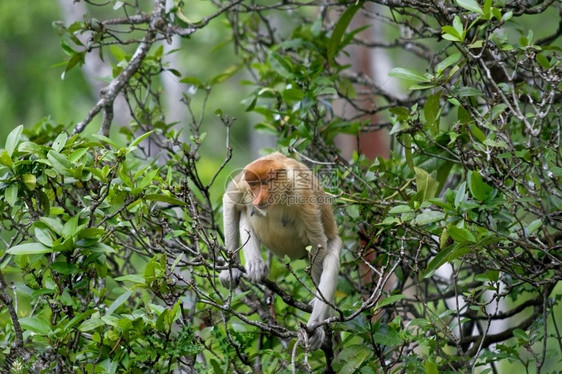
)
(135, 278)
(161, 321)
(5, 159)
(13, 139)
(452, 59)
(147, 179)
(78, 318)
(439, 259)
(70, 228)
(280, 65)
(408, 74)
(60, 163)
(478, 188)
(29, 249)
(63, 245)
(390, 221)
(352, 357)
(424, 86)
(407, 140)
(543, 61)
(77, 154)
(32, 148)
(489, 276)
(457, 24)
(339, 30)
(29, 181)
(431, 110)
(38, 325)
(390, 338)
(429, 216)
(467, 92)
(192, 81)
(460, 195)
(11, 194)
(426, 185)
(174, 313)
(65, 268)
(463, 115)
(448, 254)
(106, 140)
(401, 112)
(176, 262)
(431, 367)
(77, 58)
(506, 17)
(487, 9)
(450, 33)
(400, 209)
(101, 248)
(471, 5)
(53, 223)
(495, 143)
(443, 174)
(118, 302)
(521, 335)
(137, 141)
(164, 199)
(91, 233)
(461, 235)
(292, 94)
(533, 226)
(443, 239)
(60, 141)
(91, 324)
(390, 300)
(43, 235)
(44, 202)
(477, 133)
(229, 72)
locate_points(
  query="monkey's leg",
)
(326, 288)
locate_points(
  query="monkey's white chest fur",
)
(285, 235)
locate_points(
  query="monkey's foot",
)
(230, 278)
(315, 338)
(256, 270)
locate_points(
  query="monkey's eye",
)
(253, 184)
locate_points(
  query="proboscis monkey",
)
(278, 202)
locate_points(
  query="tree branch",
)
(6, 299)
(109, 93)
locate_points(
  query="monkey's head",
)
(266, 181)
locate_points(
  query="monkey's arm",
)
(256, 268)
(231, 218)
(237, 229)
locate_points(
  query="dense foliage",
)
(112, 245)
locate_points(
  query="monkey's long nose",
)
(261, 204)
(260, 201)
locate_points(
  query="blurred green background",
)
(32, 63)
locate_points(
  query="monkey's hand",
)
(316, 337)
(256, 270)
(230, 278)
